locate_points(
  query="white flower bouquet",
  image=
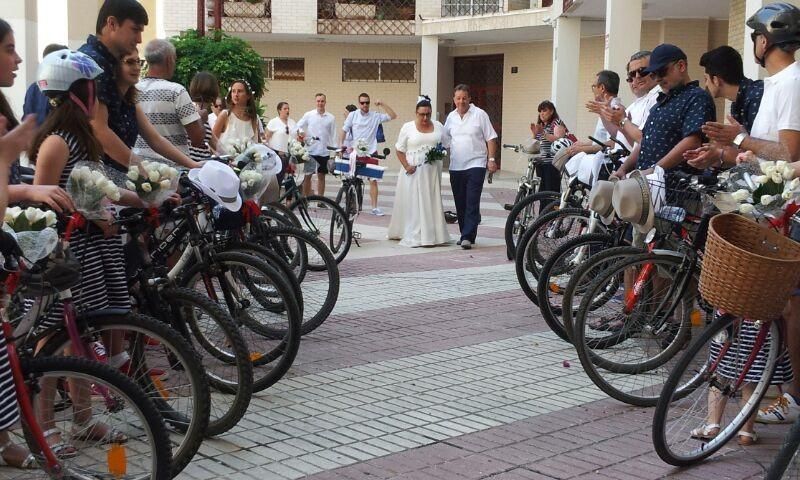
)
(91, 189)
(766, 189)
(30, 219)
(298, 151)
(237, 146)
(253, 181)
(362, 148)
(153, 181)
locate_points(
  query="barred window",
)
(278, 68)
(373, 70)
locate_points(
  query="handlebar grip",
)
(505, 145)
(597, 141)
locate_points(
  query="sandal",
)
(60, 449)
(747, 438)
(27, 464)
(706, 432)
(86, 432)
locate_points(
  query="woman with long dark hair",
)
(548, 128)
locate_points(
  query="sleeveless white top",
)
(236, 129)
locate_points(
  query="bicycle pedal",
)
(508, 206)
(356, 235)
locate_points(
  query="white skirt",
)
(418, 214)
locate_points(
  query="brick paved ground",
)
(435, 366)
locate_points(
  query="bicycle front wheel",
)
(523, 213)
(325, 219)
(79, 397)
(704, 388)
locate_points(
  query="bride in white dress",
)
(418, 215)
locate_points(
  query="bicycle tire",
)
(271, 348)
(554, 266)
(611, 362)
(321, 284)
(347, 198)
(514, 230)
(222, 417)
(192, 430)
(787, 459)
(150, 423)
(280, 214)
(695, 391)
(337, 235)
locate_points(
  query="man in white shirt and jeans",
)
(363, 125)
(321, 125)
(472, 139)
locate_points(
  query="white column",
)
(21, 14)
(429, 71)
(751, 68)
(67, 22)
(623, 38)
(566, 56)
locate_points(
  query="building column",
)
(429, 71)
(623, 38)
(751, 68)
(67, 22)
(21, 14)
(566, 60)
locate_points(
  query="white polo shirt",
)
(320, 126)
(638, 111)
(468, 137)
(365, 126)
(279, 141)
(780, 105)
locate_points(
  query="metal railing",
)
(361, 17)
(460, 8)
(240, 16)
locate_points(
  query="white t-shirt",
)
(780, 105)
(279, 141)
(365, 126)
(320, 126)
(468, 137)
(168, 107)
(600, 132)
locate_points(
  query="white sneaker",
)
(378, 212)
(784, 410)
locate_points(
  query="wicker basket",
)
(748, 270)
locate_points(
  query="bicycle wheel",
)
(700, 388)
(522, 214)
(279, 214)
(527, 267)
(163, 365)
(320, 287)
(224, 354)
(786, 464)
(325, 219)
(64, 394)
(347, 198)
(238, 283)
(558, 270)
(628, 344)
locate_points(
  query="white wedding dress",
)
(418, 214)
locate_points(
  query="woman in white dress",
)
(418, 214)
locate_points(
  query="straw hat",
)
(632, 202)
(600, 200)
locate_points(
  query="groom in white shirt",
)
(472, 139)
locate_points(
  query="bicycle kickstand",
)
(356, 238)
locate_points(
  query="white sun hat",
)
(219, 182)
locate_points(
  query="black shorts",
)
(322, 162)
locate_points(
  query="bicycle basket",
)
(674, 206)
(748, 270)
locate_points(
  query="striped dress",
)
(200, 154)
(8, 398)
(731, 365)
(103, 282)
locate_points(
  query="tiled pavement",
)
(435, 366)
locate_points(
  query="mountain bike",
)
(351, 194)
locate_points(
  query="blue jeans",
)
(467, 187)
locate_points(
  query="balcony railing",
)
(460, 8)
(239, 16)
(361, 17)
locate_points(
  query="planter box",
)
(244, 9)
(351, 10)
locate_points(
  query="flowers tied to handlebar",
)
(91, 190)
(255, 167)
(153, 181)
(32, 228)
(30, 219)
(362, 148)
(765, 189)
(237, 146)
(298, 151)
(435, 154)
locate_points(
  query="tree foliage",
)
(227, 57)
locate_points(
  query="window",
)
(285, 68)
(369, 70)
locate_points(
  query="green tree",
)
(227, 57)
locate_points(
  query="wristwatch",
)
(623, 122)
(491, 160)
(739, 139)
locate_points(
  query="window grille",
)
(373, 70)
(459, 8)
(278, 68)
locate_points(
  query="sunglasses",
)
(287, 129)
(134, 62)
(662, 72)
(217, 105)
(364, 103)
(639, 72)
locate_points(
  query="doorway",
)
(484, 75)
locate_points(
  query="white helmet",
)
(59, 70)
(560, 144)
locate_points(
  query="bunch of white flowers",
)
(770, 191)
(298, 151)
(152, 181)
(236, 146)
(89, 187)
(362, 147)
(252, 182)
(30, 219)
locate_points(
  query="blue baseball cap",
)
(662, 56)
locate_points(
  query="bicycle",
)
(351, 194)
(786, 463)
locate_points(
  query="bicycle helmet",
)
(779, 23)
(560, 144)
(60, 70)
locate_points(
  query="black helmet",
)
(779, 22)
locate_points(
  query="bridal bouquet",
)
(29, 220)
(766, 193)
(435, 154)
(153, 181)
(90, 189)
(298, 151)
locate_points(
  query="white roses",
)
(29, 220)
(89, 187)
(298, 151)
(152, 181)
(769, 192)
